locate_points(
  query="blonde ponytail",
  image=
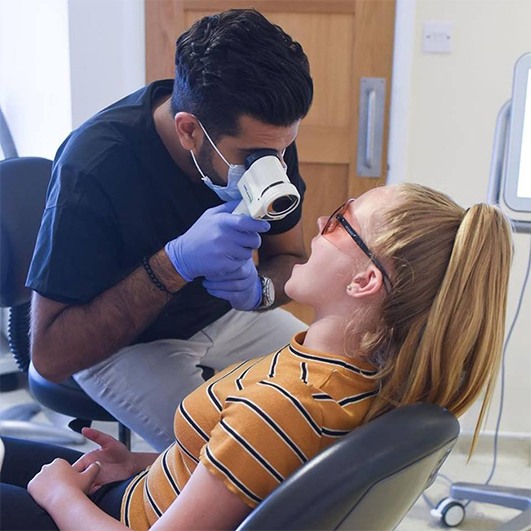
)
(441, 333)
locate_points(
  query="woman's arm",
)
(62, 491)
(205, 502)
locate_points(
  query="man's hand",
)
(115, 461)
(60, 480)
(216, 244)
(242, 288)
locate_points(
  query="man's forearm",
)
(80, 336)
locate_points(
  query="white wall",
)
(442, 133)
(107, 53)
(63, 60)
(34, 73)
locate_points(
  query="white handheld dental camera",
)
(266, 190)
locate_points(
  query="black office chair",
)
(23, 185)
(367, 480)
(9, 380)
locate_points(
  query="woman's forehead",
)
(374, 201)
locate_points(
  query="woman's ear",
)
(366, 283)
(188, 130)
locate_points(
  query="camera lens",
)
(282, 204)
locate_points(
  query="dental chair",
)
(367, 480)
(23, 185)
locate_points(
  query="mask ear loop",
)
(214, 145)
(282, 161)
(203, 176)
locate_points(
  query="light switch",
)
(437, 37)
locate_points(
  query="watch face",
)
(268, 292)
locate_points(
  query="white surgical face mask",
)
(230, 191)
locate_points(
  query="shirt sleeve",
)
(264, 434)
(76, 254)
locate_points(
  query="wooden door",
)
(345, 40)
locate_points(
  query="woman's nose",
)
(321, 222)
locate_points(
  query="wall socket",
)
(437, 37)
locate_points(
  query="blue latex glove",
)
(216, 244)
(242, 288)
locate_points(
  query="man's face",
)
(253, 135)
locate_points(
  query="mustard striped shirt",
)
(253, 424)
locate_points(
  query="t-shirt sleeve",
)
(264, 435)
(76, 252)
(292, 161)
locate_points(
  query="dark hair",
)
(235, 63)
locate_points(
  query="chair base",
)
(24, 429)
(69, 399)
(21, 411)
(505, 496)
(16, 422)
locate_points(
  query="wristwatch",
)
(268, 292)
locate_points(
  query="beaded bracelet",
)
(154, 278)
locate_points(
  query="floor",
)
(513, 469)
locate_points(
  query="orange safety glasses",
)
(338, 218)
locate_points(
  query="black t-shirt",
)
(115, 196)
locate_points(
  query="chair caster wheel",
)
(450, 512)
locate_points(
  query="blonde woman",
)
(409, 292)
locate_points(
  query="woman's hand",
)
(61, 490)
(115, 460)
(59, 482)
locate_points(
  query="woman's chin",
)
(289, 287)
(287, 290)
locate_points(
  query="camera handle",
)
(241, 208)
